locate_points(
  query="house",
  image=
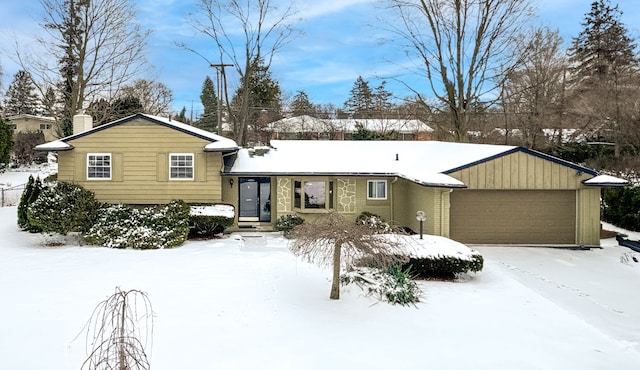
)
(311, 128)
(33, 123)
(473, 193)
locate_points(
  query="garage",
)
(513, 216)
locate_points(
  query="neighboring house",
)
(32, 123)
(312, 128)
(474, 193)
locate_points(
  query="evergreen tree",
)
(124, 107)
(605, 75)
(21, 97)
(182, 117)
(209, 99)
(49, 101)
(302, 106)
(360, 103)
(603, 47)
(381, 100)
(264, 100)
(6, 144)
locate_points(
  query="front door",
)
(255, 199)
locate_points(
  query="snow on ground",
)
(244, 302)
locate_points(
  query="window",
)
(313, 194)
(99, 166)
(376, 189)
(181, 166)
(45, 126)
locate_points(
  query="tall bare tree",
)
(532, 96)
(463, 47)
(264, 29)
(154, 96)
(91, 49)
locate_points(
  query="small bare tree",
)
(118, 331)
(336, 242)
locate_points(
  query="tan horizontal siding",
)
(520, 171)
(140, 152)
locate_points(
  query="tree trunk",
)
(335, 284)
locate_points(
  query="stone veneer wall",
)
(346, 195)
(284, 194)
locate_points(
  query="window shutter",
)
(117, 166)
(80, 170)
(162, 169)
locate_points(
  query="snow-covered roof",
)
(423, 162)
(218, 143)
(306, 123)
(606, 180)
(31, 116)
(54, 146)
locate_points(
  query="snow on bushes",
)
(208, 221)
(394, 285)
(62, 208)
(120, 226)
(286, 223)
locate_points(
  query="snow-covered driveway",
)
(599, 286)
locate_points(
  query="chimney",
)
(81, 123)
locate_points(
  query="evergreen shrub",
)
(286, 223)
(443, 267)
(61, 208)
(31, 192)
(208, 226)
(621, 207)
(394, 285)
(374, 222)
(157, 227)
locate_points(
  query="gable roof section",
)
(534, 153)
(217, 142)
(428, 163)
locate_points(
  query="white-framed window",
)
(315, 194)
(181, 166)
(99, 166)
(377, 189)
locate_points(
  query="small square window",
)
(377, 189)
(181, 166)
(99, 166)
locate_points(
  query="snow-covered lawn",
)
(244, 302)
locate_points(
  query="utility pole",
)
(220, 72)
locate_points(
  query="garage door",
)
(513, 217)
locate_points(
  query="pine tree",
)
(381, 103)
(49, 101)
(209, 119)
(605, 74)
(6, 144)
(360, 103)
(603, 47)
(21, 97)
(301, 105)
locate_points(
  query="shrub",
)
(30, 194)
(208, 224)
(621, 207)
(23, 148)
(394, 285)
(443, 267)
(120, 226)
(286, 223)
(375, 222)
(63, 207)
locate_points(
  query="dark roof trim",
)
(129, 119)
(339, 174)
(606, 184)
(534, 153)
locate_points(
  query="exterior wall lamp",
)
(231, 182)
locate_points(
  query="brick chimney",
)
(81, 123)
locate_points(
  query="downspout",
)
(393, 208)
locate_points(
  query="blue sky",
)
(341, 41)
